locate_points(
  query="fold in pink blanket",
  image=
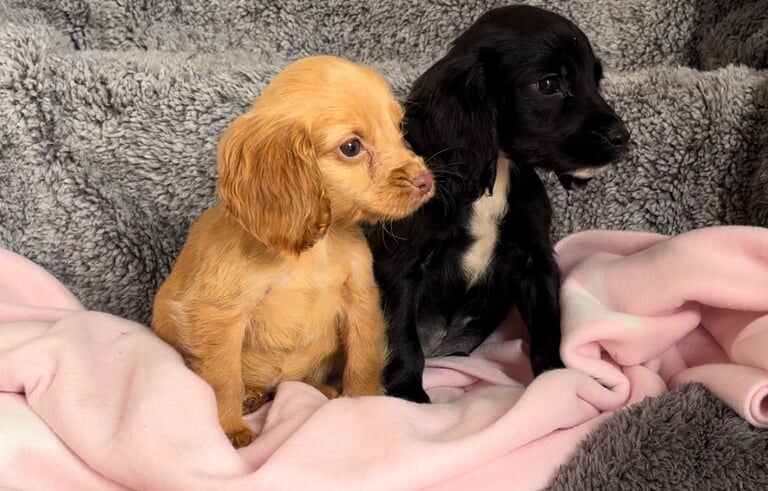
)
(92, 401)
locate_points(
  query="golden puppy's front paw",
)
(368, 389)
(329, 391)
(240, 438)
(238, 433)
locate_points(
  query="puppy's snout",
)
(611, 128)
(424, 182)
(617, 134)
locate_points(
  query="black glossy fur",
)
(524, 83)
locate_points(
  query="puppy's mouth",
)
(570, 182)
(401, 197)
(579, 178)
(421, 187)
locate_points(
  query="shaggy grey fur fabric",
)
(737, 35)
(641, 448)
(111, 111)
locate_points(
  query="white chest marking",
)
(487, 213)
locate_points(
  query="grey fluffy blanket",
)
(110, 112)
(685, 439)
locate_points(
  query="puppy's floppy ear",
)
(269, 181)
(451, 110)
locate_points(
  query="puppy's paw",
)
(240, 437)
(458, 353)
(237, 432)
(541, 362)
(253, 400)
(329, 391)
(365, 389)
(413, 393)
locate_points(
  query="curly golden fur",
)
(275, 282)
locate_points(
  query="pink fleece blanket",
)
(92, 401)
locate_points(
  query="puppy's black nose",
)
(617, 134)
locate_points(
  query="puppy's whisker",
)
(454, 164)
(390, 231)
(383, 236)
(451, 200)
(384, 232)
(456, 147)
(376, 161)
(443, 172)
(444, 197)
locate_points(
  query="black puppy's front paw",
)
(409, 392)
(403, 380)
(543, 361)
(406, 387)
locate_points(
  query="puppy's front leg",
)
(365, 338)
(540, 310)
(404, 371)
(216, 353)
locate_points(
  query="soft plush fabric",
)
(733, 35)
(107, 404)
(118, 404)
(111, 111)
(628, 296)
(655, 433)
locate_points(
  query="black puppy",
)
(519, 89)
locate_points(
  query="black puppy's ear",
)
(451, 114)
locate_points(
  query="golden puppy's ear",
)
(269, 181)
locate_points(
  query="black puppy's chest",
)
(484, 220)
(506, 228)
(500, 239)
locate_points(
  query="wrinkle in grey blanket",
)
(111, 111)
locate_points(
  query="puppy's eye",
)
(549, 85)
(351, 148)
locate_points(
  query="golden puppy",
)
(275, 283)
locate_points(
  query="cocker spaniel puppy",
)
(275, 282)
(519, 89)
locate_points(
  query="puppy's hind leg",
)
(326, 376)
(319, 380)
(404, 370)
(462, 343)
(260, 376)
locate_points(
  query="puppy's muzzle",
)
(569, 181)
(424, 182)
(617, 136)
(579, 178)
